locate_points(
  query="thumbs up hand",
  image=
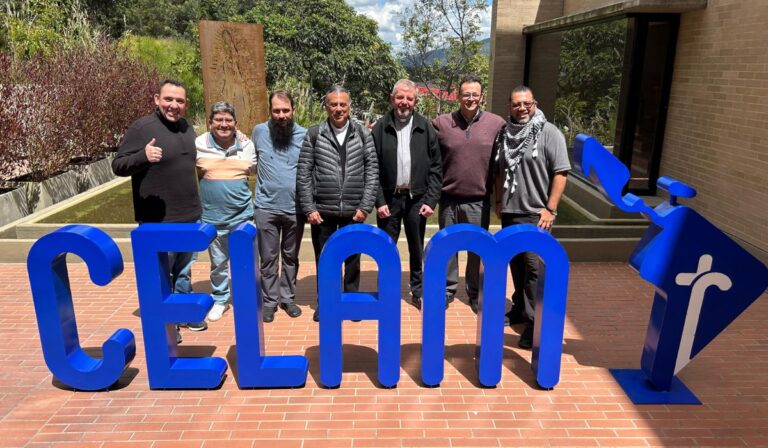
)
(154, 153)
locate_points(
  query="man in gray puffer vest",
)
(337, 179)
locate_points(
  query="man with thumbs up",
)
(158, 152)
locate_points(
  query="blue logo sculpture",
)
(161, 309)
(703, 279)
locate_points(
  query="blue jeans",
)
(218, 251)
(181, 271)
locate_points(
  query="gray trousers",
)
(525, 268)
(457, 211)
(279, 238)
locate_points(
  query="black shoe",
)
(474, 305)
(316, 316)
(197, 326)
(526, 339)
(269, 314)
(416, 301)
(514, 318)
(291, 309)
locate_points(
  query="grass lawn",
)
(115, 206)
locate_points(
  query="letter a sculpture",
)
(703, 279)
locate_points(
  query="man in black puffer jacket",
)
(337, 179)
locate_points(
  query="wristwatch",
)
(550, 210)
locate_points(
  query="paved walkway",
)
(607, 314)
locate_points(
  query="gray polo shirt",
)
(534, 176)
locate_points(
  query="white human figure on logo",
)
(702, 279)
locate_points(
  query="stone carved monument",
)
(232, 60)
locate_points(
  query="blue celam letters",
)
(161, 309)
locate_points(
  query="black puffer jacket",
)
(320, 184)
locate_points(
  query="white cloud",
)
(387, 15)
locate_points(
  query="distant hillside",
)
(440, 54)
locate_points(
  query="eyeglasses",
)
(223, 120)
(471, 96)
(524, 105)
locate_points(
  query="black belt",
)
(402, 191)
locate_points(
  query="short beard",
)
(401, 119)
(282, 136)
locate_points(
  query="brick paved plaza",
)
(607, 314)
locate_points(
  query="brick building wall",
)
(576, 6)
(717, 127)
(507, 61)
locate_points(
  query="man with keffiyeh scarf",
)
(533, 165)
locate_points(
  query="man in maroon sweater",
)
(466, 144)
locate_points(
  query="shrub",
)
(43, 27)
(73, 105)
(308, 108)
(172, 58)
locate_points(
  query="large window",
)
(609, 79)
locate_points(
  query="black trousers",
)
(404, 209)
(320, 235)
(525, 271)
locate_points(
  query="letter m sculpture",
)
(496, 251)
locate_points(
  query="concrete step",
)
(578, 250)
(34, 231)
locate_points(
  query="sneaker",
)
(416, 301)
(197, 326)
(474, 305)
(526, 339)
(291, 309)
(269, 314)
(316, 316)
(217, 311)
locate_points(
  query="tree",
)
(441, 43)
(161, 18)
(589, 80)
(30, 28)
(322, 42)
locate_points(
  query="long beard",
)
(282, 136)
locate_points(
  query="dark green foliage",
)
(589, 81)
(161, 18)
(314, 42)
(172, 58)
(322, 42)
(30, 28)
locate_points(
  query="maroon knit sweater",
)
(467, 149)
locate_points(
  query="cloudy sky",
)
(385, 12)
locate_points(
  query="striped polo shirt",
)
(224, 190)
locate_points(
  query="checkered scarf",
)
(514, 139)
